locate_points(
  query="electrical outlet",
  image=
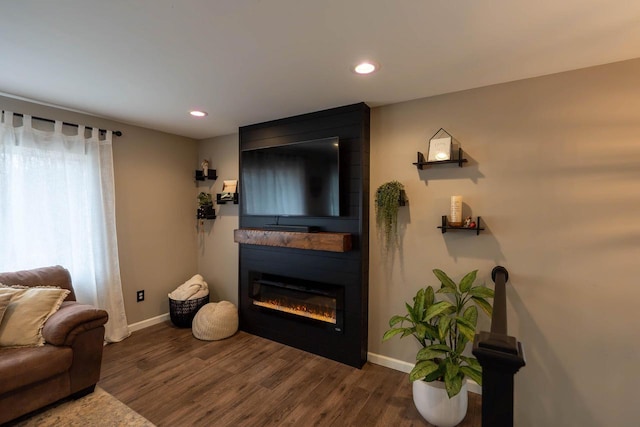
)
(140, 296)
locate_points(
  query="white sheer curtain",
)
(57, 207)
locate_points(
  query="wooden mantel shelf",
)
(322, 241)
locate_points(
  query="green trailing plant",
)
(205, 199)
(444, 328)
(388, 197)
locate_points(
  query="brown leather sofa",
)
(67, 365)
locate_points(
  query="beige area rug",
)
(96, 409)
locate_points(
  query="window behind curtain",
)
(57, 207)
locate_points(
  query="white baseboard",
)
(406, 367)
(389, 362)
(149, 322)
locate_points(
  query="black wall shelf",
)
(421, 163)
(221, 201)
(206, 212)
(211, 174)
(403, 198)
(445, 226)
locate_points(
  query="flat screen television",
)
(297, 179)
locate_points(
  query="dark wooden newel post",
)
(501, 356)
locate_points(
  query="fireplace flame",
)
(324, 314)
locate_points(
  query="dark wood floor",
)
(173, 379)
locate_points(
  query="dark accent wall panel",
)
(350, 269)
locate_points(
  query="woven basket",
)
(182, 312)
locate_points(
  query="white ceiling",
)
(148, 62)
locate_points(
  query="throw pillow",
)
(26, 314)
(4, 302)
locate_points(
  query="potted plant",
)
(389, 197)
(205, 206)
(443, 328)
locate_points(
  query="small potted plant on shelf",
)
(389, 197)
(205, 206)
(443, 328)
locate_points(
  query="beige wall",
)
(155, 207)
(555, 172)
(217, 253)
(156, 213)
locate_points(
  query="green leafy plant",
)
(387, 202)
(205, 199)
(443, 329)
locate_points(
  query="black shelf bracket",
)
(445, 226)
(421, 163)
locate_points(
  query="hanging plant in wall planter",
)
(389, 197)
(443, 328)
(205, 206)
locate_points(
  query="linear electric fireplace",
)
(317, 303)
(310, 308)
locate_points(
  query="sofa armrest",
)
(70, 320)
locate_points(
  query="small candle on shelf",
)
(205, 168)
(456, 211)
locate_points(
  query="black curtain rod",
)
(115, 132)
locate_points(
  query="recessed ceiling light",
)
(197, 113)
(366, 67)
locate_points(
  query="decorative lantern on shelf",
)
(440, 146)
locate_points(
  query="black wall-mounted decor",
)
(211, 174)
(347, 271)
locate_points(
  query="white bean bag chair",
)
(215, 321)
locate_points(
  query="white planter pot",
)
(434, 405)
